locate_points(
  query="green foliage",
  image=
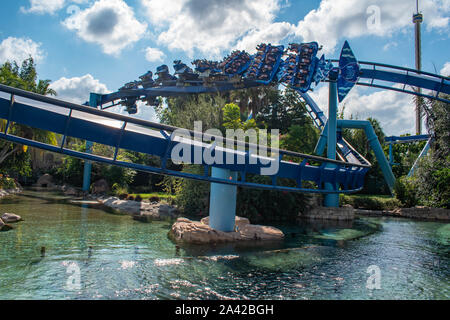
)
(374, 180)
(269, 206)
(232, 119)
(370, 202)
(119, 189)
(283, 111)
(300, 139)
(71, 171)
(184, 111)
(232, 116)
(7, 183)
(433, 173)
(433, 182)
(405, 191)
(24, 77)
(192, 196)
(405, 154)
(18, 164)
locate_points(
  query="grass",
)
(370, 202)
(160, 195)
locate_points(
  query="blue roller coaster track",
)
(299, 71)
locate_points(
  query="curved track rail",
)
(122, 132)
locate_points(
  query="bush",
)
(267, 205)
(405, 191)
(118, 189)
(154, 199)
(370, 202)
(7, 182)
(138, 198)
(192, 196)
(433, 183)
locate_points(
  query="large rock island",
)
(185, 230)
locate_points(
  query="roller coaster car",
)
(300, 66)
(130, 86)
(132, 109)
(206, 68)
(236, 63)
(147, 80)
(163, 74)
(150, 101)
(183, 72)
(265, 64)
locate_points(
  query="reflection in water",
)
(119, 258)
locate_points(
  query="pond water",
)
(115, 257)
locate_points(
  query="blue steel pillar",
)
(222, 201)
(332, 200)
(93, 102)
(391, 155)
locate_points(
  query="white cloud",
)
(77, 89)
(445, 71)
(44, 6)
(390, 45)
(336, 19)
(154, 54)
(274, 33)
(109, 23)
(394, 110)
(19, 49)
(209, 26)
(47, 6)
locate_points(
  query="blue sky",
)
(87, 45)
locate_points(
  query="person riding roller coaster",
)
(147, 80)
(184, 72)
(163, 74)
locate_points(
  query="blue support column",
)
(375, 145)
(332, 200)
(421, 155)
(87, 168)
(322, 143)
(391, 155)
(93, 102)
(222, 201)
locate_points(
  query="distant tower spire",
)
(417, 20)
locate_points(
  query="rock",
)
(257, 232)
(422, 213)
(45, 181)
(70, 191)
(4, 226)
(185, 230)
(100, 187)
(166, 211)
(10, 218)
(142, 211)
(346, 212)
(240, 222)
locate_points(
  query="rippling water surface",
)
(119, 258)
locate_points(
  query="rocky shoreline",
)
(140, 211)
(5, 193)
(416, 213)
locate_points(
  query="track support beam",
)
(222, 201)
(332, 200)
